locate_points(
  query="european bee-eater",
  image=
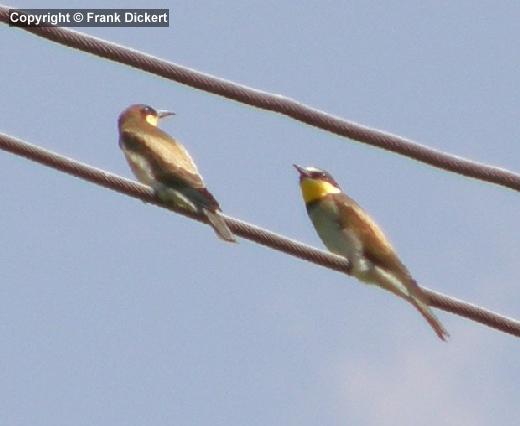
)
(347, 230)
(161, 162)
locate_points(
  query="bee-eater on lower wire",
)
(161, 162)
(347, 230)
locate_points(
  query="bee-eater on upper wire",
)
(162, 163)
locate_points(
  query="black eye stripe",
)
(324, 176)
(149, 111)
(320, 175)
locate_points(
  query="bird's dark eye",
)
(149, 111)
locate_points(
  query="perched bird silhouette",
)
(161, 162)
(347, 230)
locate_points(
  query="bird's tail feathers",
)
(219, 225)
(429, 316)
(197, 200)
(416, 297)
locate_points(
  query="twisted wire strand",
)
(243, 229)
(273, 102)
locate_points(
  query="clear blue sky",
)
(113, 312)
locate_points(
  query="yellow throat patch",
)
(152, 119)
(315, 189)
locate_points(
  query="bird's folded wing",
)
(377, 248)
(168, 160)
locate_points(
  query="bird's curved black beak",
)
(164, 113)
(301, 170)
